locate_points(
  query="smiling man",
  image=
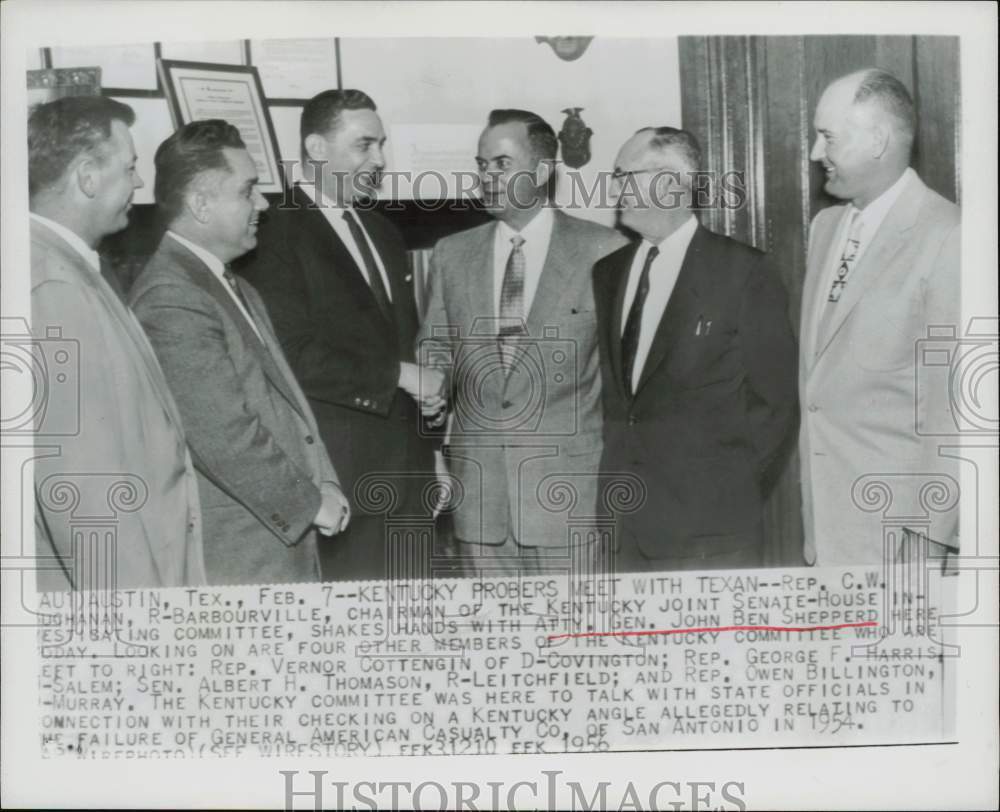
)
(336, 281)
(267, 485)
(116, 426)
(511, 314)
(883, 268)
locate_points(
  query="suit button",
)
(357, 401)
(366, 403)
(506, 404)
(309, 439)
(275, 517)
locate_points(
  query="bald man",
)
(883, 268)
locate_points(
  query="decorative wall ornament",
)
(575, 139)
(566, 48)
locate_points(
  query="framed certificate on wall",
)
(200, 90)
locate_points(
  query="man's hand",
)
(425, 385)
(334, 510)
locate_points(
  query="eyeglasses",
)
(619, 175)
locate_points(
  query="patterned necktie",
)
(375, 281)
(511, 303)
(847, 259)
(845, 265)
(633, 324)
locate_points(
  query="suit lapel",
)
(339, 256)
(887, 242)
(813, 297)
(556, 269)
(684, 300)
(199, 274)
(478, 260)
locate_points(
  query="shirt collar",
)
(540, 225)
(216, 265)
(875, 212)
(92, 258)
(678, 241)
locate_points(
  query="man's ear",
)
(544, 171)
(881, 135)
(196, 203)
(87, 176)
(315, 146)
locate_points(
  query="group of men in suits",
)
(281, 375)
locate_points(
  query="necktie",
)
(374, 275)
(633, 325)
(848, 258)
(230, 278)
(511, 303)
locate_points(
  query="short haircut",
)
(881, 88)
(60, 131)
(321, 113)
(683, 143)
(195, 148)
(541, 136)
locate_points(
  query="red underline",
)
(697, 629)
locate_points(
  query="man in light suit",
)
(267, 484)
(120, 438)
(511, 319)
(882, 269)
(336, 282)
(698, 363)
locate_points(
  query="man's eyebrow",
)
(494, 158)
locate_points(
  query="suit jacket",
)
(713, 404)
(515, 439)
(344, 351)
(110, 436)
(871, 405)
(252, 434)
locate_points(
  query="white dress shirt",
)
(90, 256)
(334, 215)
(537, 235)
(217, 267)
(663, 275)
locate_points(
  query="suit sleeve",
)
(771, 359)
(331, 363)
(100, 445)
(942, 306)
(227, 438)
(436, 339)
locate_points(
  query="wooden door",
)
(750, 101)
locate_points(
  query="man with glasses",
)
(698, 369)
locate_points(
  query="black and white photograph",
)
(382, 390)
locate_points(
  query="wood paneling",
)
(750, 101)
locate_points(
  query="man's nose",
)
(137, 181)
(818, 151)
(259, 201)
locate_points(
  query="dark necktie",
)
(633, 325)
(230, 278)
(511, 303)
(374, 275)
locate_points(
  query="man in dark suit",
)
(699, 369)
(336, 283)
(266, 484)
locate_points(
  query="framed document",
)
(199, 90)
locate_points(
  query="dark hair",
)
(62, 130)
(541, 136)
(195, 148)
(322, 112)
(683, 142)
(882, 88)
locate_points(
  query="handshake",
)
(425, 385)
